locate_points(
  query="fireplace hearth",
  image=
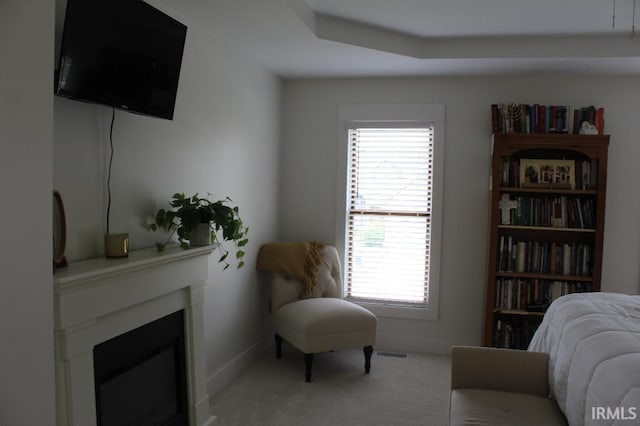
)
(129, 340)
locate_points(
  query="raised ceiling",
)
(454, 18)
(317, 38)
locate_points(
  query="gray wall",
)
(308, 184)
(223, 140)
(26, 140)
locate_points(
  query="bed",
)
(593, 342)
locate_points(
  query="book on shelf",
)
(550, 211)
(536, 118)
(532, 294)
(513, 333)
(590, 114)
(544, 257)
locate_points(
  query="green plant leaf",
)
(182, 233)
(187, 212)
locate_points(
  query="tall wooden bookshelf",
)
(547, 223)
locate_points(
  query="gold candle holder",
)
(116, 245)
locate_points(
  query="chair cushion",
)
(497, 408)
(323, 324)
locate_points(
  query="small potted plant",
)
(197, 221)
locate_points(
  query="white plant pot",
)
(201, 236)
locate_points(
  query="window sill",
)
(399, 312)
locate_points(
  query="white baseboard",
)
(233, 368)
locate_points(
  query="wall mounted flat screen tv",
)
(121, 53)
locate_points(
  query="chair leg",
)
(278, 340)
(368, 350)
(308, 362)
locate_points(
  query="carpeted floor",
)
(398, 391)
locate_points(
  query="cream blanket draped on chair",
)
(299, 260)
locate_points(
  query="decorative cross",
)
(506, 205)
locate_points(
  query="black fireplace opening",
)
(141, 376)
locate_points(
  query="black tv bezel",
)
(169, 112)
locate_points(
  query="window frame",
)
(394, 116)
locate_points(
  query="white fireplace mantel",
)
(98, 299)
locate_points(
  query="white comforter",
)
(593, 341)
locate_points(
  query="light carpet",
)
(398, 391)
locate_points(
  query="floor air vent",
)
(392, 354)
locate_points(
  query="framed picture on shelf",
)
(547, 173)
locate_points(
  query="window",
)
(389, 214)
(391, 217)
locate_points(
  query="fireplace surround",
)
(97, 300)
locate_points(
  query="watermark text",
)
(614, 413)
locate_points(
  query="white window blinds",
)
(389, 214)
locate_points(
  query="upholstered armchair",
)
(309, 311)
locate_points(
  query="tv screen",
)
(121, 53)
